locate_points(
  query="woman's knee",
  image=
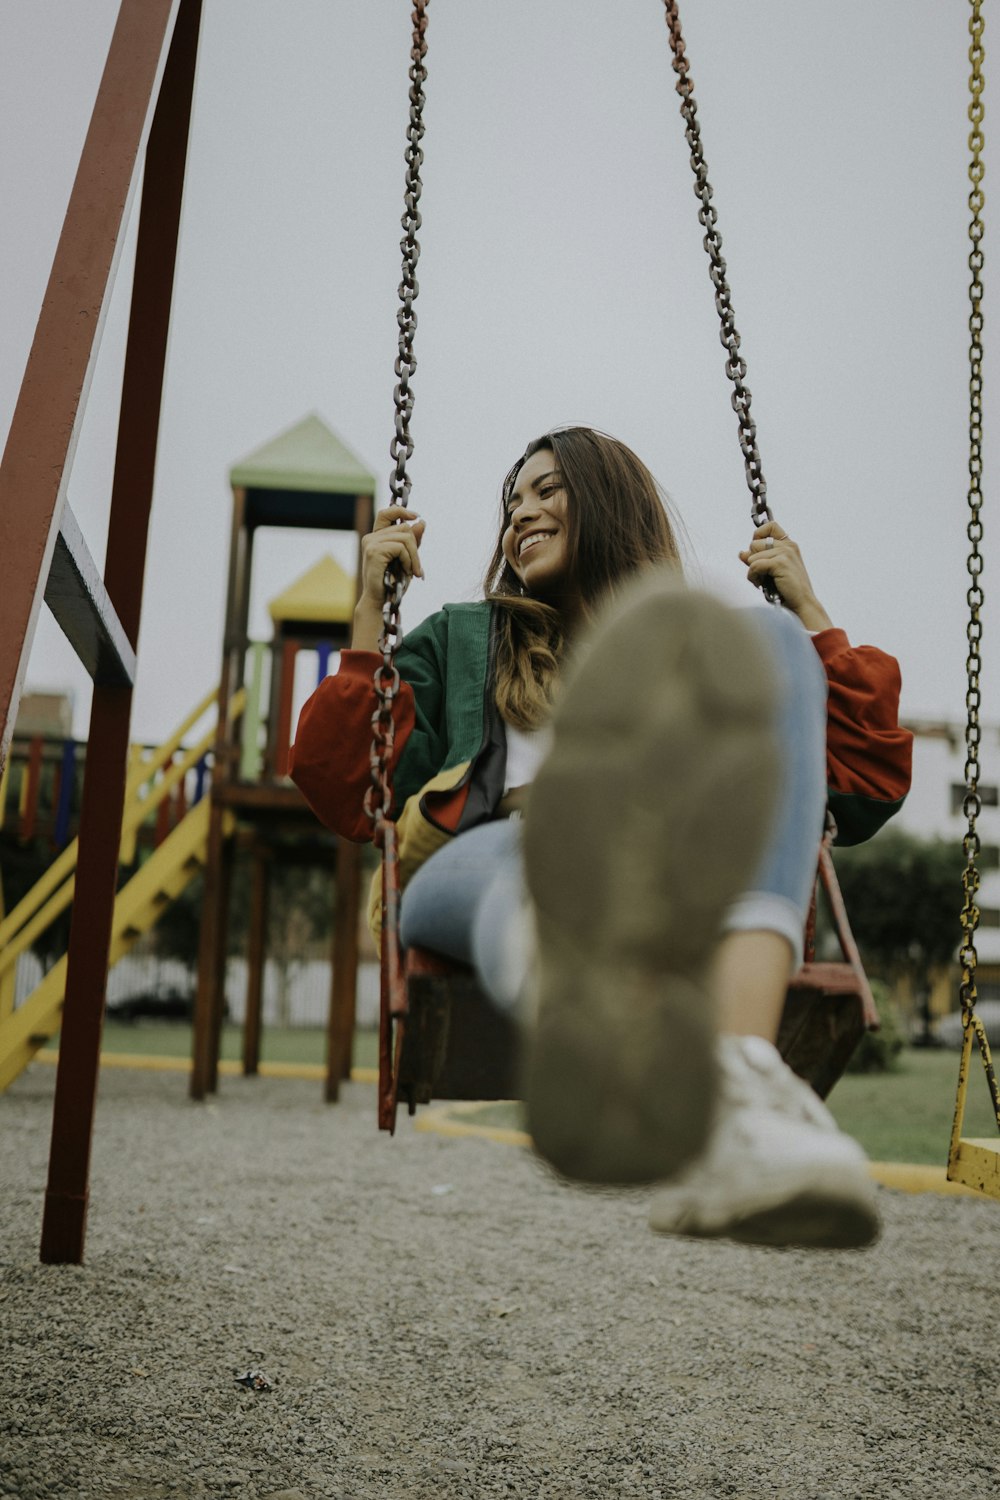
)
(800, 670)
(440, 903)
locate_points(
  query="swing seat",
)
(442, 1038)
(456, 1044)
(828, 1009)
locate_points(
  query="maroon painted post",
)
(162, 826)
(347, 908)
(344, 966)
(226, 858)
(32, 790)
(256, 959)
(364, 520)
(179, 803)
(56, 797)
(283, 733)
(210, 999)
(35, 469)
(211, 961)
(66, 1198)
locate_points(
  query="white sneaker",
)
(778, 1170)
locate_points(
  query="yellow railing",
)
(50, 895)
(138, 905)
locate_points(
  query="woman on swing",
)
(611, 793)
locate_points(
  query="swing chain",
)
(378, 796)
(972, 802)
(401, 447)
(736, 367)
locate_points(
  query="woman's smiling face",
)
(536, 541)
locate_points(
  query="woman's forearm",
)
(367, 626)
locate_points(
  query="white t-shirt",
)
(526, 749)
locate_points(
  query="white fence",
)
(298, 997)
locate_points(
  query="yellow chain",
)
(972, 804)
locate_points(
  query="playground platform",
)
(440, 1318)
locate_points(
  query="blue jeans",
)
(469, 901)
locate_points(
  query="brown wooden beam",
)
(256, 959)
(34, 473)
(344, 966)
(209, 997)
(264, 797)
(211, 961)
(221, 960)
(66, 1198)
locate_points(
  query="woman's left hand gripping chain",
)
(772, 554)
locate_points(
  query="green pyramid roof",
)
(306, 457)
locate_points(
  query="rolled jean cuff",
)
(504, 943)
(762, 911)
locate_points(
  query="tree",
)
(903, 895)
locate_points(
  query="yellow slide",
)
(159, 880)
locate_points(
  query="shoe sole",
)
(810, 1205)
(807, 1220)
(811, 1221)
(646, 820)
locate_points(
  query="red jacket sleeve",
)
(330, 760)
(868, 753)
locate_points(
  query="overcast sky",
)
(562, 280)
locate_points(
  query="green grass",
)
(299, 1044)
(901, 1116)
(907, 1115)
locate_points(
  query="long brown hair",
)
(617, 524)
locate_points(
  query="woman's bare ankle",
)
(749, 976)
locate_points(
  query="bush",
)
(879, 1051)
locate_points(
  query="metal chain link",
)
(736, 368)
(401, 447)
(378, 798)
(972, 803)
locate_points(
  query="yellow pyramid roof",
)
(323, 595)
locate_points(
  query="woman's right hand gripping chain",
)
(395, 539)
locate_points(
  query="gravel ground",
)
(441, 1318)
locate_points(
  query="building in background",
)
(44, 713)
(933, 809)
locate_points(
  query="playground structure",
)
(305, 478)
(141, 118)
(160, 879)
(141, 115)
(238, 797)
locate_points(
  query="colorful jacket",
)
(450, 752)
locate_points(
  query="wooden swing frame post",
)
(209, 1007)
(144, 101)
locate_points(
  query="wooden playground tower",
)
(304, 478)
(194, 800)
